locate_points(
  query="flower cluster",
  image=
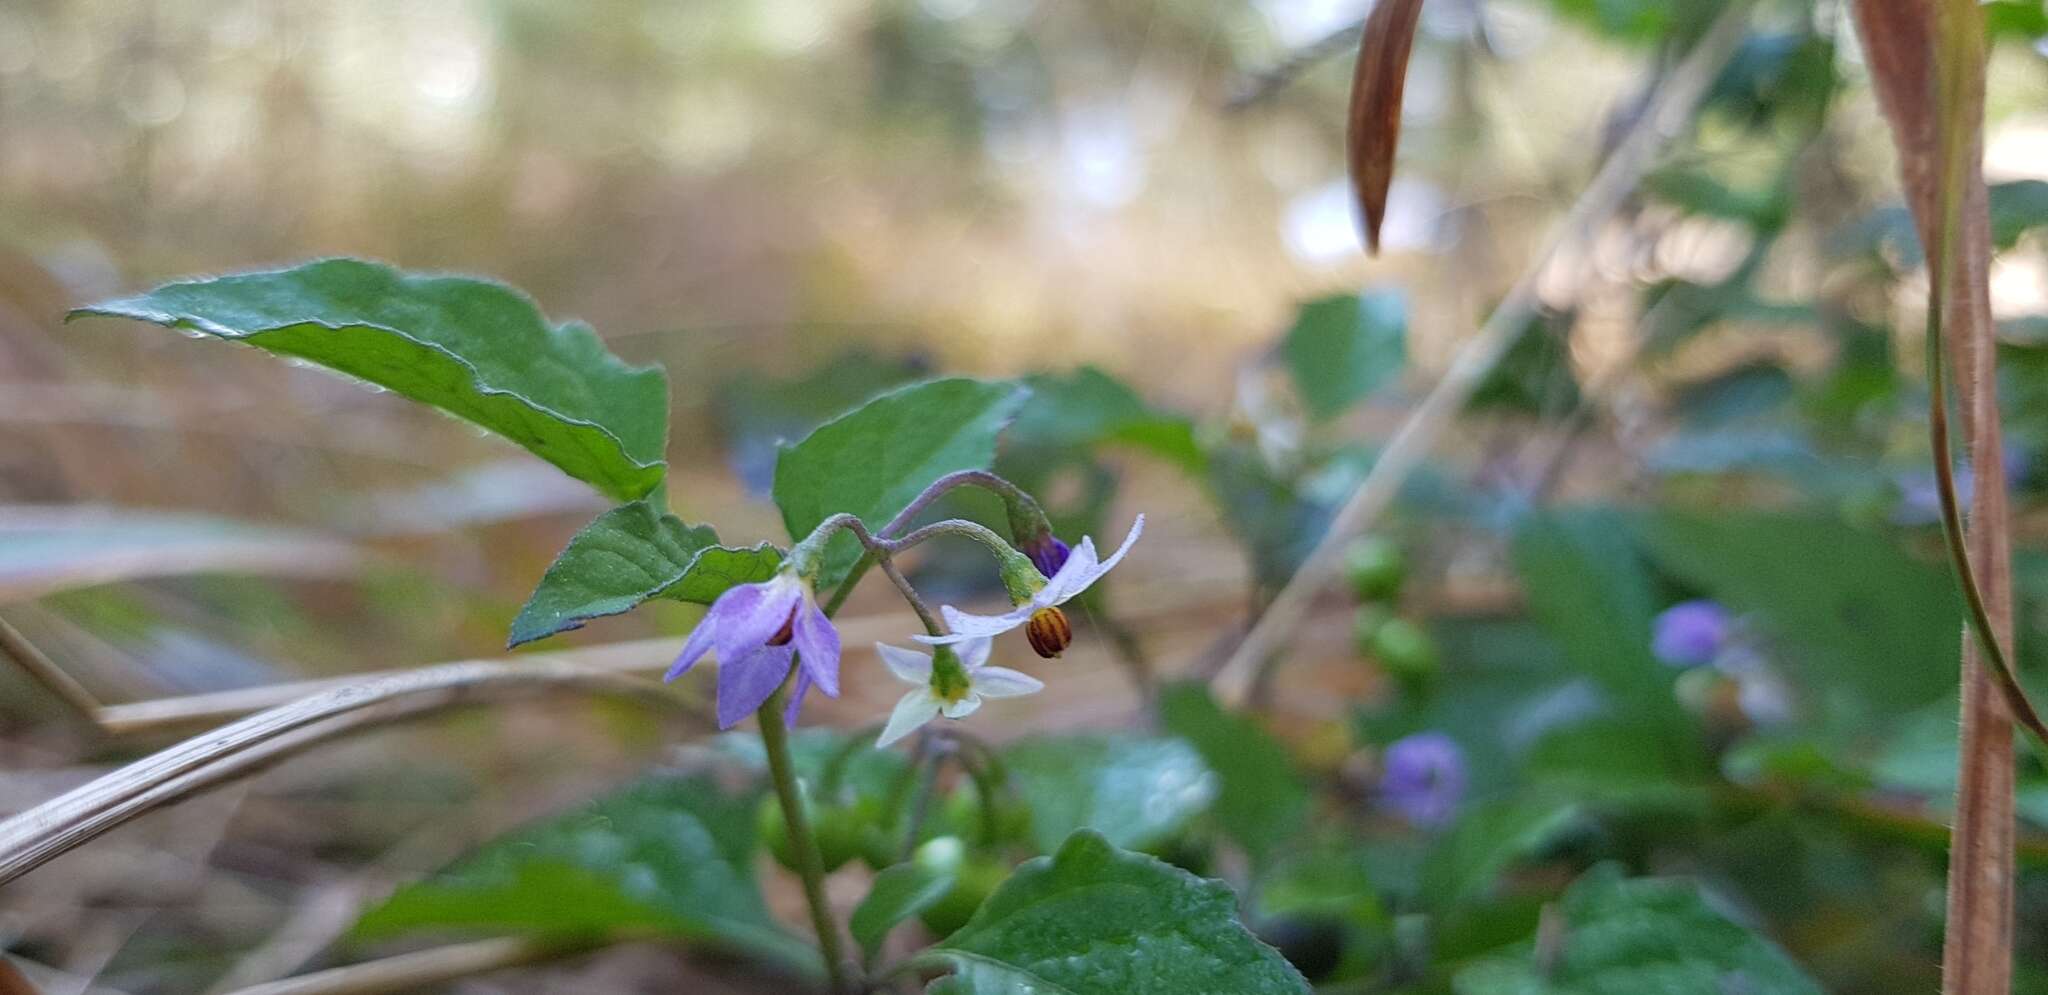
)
(762, 632)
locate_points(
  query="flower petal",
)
(1002, 682)
(966, 626)
(962, 708)
(744, 682)
(914, 709)
(909, 666)
(1070, 578)
(974, 652)
(817, 647)
(694, 648)
(1096, 568)
(796, 699)
(749, 614)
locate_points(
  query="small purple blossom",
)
(756, 629)
(1423, 778)
(1047, 553)
(1691, 633)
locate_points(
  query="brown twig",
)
(1668, 112)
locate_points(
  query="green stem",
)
(811, 865)
(985, 773)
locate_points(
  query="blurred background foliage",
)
(1669, 598)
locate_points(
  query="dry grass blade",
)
(420, 969)
(34, 837)
(1375, 123)
(46, 549)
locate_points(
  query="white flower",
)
(1080, 570)
(930, 699)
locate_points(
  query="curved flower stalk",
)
(756, 630)
(1037, 608)
(947, 683)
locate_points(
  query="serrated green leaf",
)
(1137, 792)
(1096, 920)
(630, 554)
(672, 855)
(476, 349)
(1263, 801)
(873, 460)
(1344, 347)
(1628, 937)
(899, 892)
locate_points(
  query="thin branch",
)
(1667, 114)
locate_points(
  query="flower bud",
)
(1047, 553)
(1049, 632)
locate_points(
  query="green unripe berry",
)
(1405, 651)
(837, 829)
(1376, 567)
(977, 877)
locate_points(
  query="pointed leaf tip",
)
(1375, 119)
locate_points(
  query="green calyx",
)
(949, 675)
(1020, 576)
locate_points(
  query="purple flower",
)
(1047, 553)
(756, 629)
(1690, 633)
(1423, 778)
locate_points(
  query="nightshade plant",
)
(853, 494)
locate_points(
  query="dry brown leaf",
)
(1375, 122)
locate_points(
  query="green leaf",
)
(899, 892)
(757, 414)
(1087, 408)
(628, 555)
(476, 349)
(1344, 347)
(1587, 586)
(873, 460)
(1488, 840)
(1872, 629)
(1627, 937)
(1137, 792)
(1096, 920)
(1263, 802)
(1535, 375)
(1616, 762)
(671, 855)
